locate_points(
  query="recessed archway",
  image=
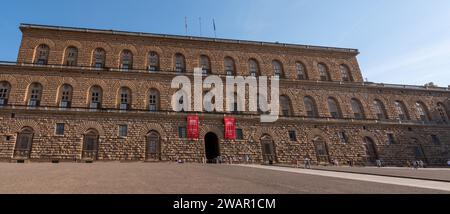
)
(212, 149)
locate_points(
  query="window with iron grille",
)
(126, 60)
(323, 71)
(60, 129)
(42, 53)
(229, 66)
(182, 132)
(253, 66)
(343, 137)
(277, 68)
(401, 110)
(345, 73)
(391, 138)
(292, 135)
(239, 134)
(153, 61)
(301, 74)
(66, 96)
(99, 58)
(380, 110)
(71, 56)
(4, 92)
(123, 130)
(153, 100)
(179, 63)
(435, 140)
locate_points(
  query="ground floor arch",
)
(24, 142)
(90, 145)
(321, 150)
(371, 150)
(268, 149)
(212, 147)
(153, 146)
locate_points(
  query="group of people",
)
(415, 164)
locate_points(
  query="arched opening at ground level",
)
(212, 149)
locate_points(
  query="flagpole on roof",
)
(185, 24)
(214, 25)
(200, 22)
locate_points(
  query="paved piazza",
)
(176, 178)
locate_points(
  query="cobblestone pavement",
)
(112, 177)
(412, 182)
(442, 174)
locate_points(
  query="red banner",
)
(230, 129)
(192, 123)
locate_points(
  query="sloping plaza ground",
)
(157, 178)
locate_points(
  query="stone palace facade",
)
(99, 95)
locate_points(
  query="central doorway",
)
(212, 149)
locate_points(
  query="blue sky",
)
(401, 41)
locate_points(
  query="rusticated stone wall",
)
(114, 44)
(48, 146)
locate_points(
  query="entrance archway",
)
(371, 150)
(23, 143)
(268, 149)
(153, 148)
(212, 149)
(90, 145)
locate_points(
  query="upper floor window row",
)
(126, 62)
(64, 96)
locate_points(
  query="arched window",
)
(370, 150)
(153, 148)
(153, 61)
(422, 111)
(125, 98)
(268, 149)
(253, 67)
(65, 96)
(5, 88)
(321, 150)
(323, 72)
(301, 71)
(334, 108)
(153, 100)
(41, 55)
(90, 145)
(35, 94)
(277, 69)
(310, 107)
(285, 106)
(99, 58)
(400, 108)
(71, 56)
(24, 142)
(442, 113)
(345, 73)
(357, 109)
(205, 65)
(95, 99)
(380, 110)
(180, 65)
(126, 60)
(230, 68)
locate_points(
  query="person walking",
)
(415, 165)
(378, 161)
(421, 164)
(307, 163)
